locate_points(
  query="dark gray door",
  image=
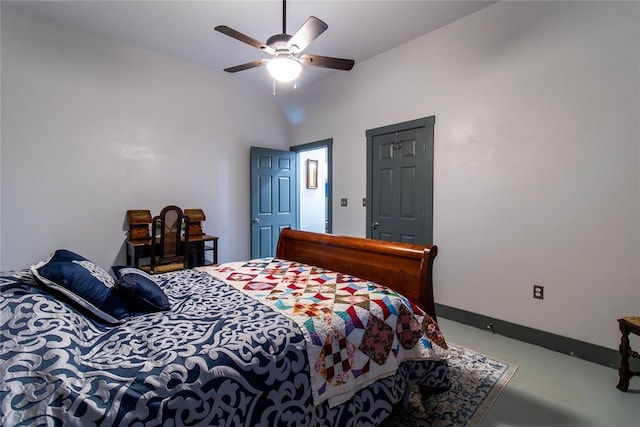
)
(273, 198)
(400, 182)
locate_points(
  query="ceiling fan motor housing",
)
(280, 42)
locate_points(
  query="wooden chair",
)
(169, 241)
(628, 325)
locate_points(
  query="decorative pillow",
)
(84, 283)
(147, 294)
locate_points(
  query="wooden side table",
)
(136, 249)
(199, 245)
(628, 325)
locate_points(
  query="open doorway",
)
(314, 186)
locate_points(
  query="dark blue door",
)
(400, 182)
(273, 198)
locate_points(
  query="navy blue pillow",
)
(84, 283)
(147, 294)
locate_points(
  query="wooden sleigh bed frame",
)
(403, 267)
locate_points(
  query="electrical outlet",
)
(343, 202)
(538, 292)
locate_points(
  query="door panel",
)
(386, 192)
(407, 192)
(284, 191)
(265, 194)
(400, 182)
(273, 198)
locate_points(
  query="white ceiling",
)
(185, 29)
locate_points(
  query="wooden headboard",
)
(402, 267)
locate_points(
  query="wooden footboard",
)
(402, 267)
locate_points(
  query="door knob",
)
(375, 225)
(255, 220)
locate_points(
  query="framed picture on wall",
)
(312, 173)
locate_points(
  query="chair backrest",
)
(170, 241)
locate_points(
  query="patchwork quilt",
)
(356, 331)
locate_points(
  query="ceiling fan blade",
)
(310, 30)
(244, 38)
(247, 66)
(327, 62)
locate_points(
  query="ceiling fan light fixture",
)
(284, 68)
(287, 50)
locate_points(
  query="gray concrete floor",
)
(550, 388)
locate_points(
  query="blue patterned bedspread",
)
(218, 357)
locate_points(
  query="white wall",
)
(91, 128)
(313, 200)
(536, 151)
(536, 157)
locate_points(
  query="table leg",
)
(624, 371)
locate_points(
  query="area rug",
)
(476, 383)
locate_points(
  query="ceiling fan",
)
(287, 50)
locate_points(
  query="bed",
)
(329, 332)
